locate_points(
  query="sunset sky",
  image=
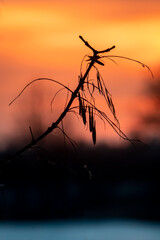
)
(40, 39)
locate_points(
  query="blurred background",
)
(112, 180)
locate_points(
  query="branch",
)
(88, 45)
(36, 80)
(130, 59)
(95, 51)
(83, 79)
(61, 117)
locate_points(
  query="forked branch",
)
(87, 108)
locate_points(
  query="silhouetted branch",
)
(66, 136)
(95, 51)
(55, 96)
(30, 129)
(85, 106)
(130, 59)
(88, 45)
(37, 80)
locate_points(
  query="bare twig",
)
(85, 106)
(30, 129)
(36, 80)
(130, 59)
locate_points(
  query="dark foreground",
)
(91, 183)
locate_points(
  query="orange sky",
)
(40, 39)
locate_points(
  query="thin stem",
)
(130, 59)
(61, 117)
(83, 79)
(36, 80)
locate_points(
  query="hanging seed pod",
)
(99, 84)
(110, 103)
(80, 78)
(94, 133)
(93, 87)
(84, 115)
(82, 87)
(80, 104)
(90, 118)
